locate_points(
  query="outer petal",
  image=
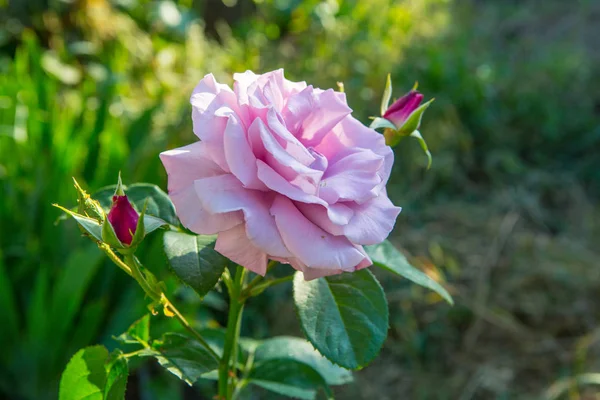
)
(205, 91)
(310, 244)
(314, 273)
(224, 193)
(212, 104)
(287, 88)
(195, 217)
(184, 165)
(372, 221)
(234, 245)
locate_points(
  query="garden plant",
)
(283, 185)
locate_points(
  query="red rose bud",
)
(402, 108)
(123, 218)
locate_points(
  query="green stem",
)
(114, 258)
(244, 379)
(189, 328)
(136, 273)
(132, 267)
(234, 319)
(259, 278)
(262, 286)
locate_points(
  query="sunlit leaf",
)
(85, 375)
(386, 256)
(117, 371)
(91, 226)
(139, 330)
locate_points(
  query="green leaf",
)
(85, 375)
(386, 256)
(297, 349)
(184, 357)
(153, 223)
(387, 95)
(139, 330)
(417, 135)
(116, 377)
(194, 260)
(91, 226)
(344, 316)
(159, 203)
(289, 378)
(379, 123)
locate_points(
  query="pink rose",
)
(282, 171)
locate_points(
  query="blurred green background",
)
(507, 218)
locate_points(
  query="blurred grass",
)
(508, 215)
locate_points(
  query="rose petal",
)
(318, 215)
(349, 135)
(284, 164)
(312, 113)
(372, 221)
(194, 217)
(186, 164)
(234, 245)
(314, 273)
(239, 155)
(224, 193)
(205, 92)
(352, 177)
(310, 244)
(288, 141)
(276, 182)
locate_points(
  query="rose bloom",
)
(282, 171)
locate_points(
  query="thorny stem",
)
(131, 266)
(114, 258)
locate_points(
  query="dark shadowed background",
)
(507, 218)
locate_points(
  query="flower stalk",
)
(234, 322)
